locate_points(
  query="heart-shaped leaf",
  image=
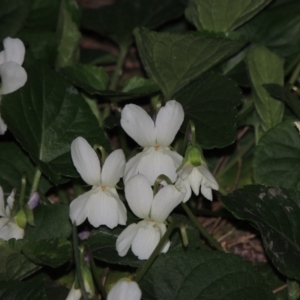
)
(222, 15)
(174, 60)
(210, 102)
(276, 213)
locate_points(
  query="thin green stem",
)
(36, 180)
(156, 252)
(295, 74)
(202, 230)
(23, 190)
(158, 181)
(97, 278)
(77, 261)
(118, 71)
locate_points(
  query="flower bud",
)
(20, 218)
(33, 200)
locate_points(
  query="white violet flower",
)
(125, 290)
(9, 229)
(191, 177)
(101, 205)
(155, 137)
(74, 294)
(144, 236)
(13, 76)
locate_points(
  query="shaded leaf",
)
(119, 19)
(13, 264)
(140, 85)
(265, 67)
(51, 221)
(46, 116)
(275, 212)
(199, 274)
(222, 15)
(174, 60)
(277, 157)
(50, 252)
(211, 101)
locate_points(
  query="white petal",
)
(102, 209)
(139, 195)
(11, 199)
(195, 179)
(168, 121)
(125, 239)
(163, 228)
(206, 192)
(145, 241)
(164, 202)
(184, 186)
(125, 290)
(177, 158)
(122, 212)
(74, 294)
(14, 50)
(2, 204)
(3, 222)
(113, 168)
(132, 165)
(210, 180)
(13, 77)
(11, 231)
(86, 161)
(78, 208)
(156, 162)
(138, 125)
(3, 126)
(186, 171)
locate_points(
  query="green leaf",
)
(91, 78)
(276, 28)
(277, 157)
(222, 15)
(52, 252)
(13, 264)
(43, 15)
(46, 116)
(265, 67)
(210, 102)
(140, 85)
(275, 213)
(14, 290)
(284, 94)
(68, 36)
(51, 221)
(174, 60)
(14, 163)
(13, 15)
(119, 19)
(209, 275)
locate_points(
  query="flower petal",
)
(102, 209)
(13, 77)
(210, 180)
(2, 204)
(122, 212)
(78, 208)
(3, 126)
(184, 186)
(164, 202)
(177, 158)
(74, 294)
(168, 122)
(163, 228)
(195, 179)
(138, 125)
(139, 195)
(145, 240)
(125, 290)
(14, 50)
(86, 161)
(132, 165)
(206, 192)
(113, 168)
(11, 231)
(156, 162)
(125, 239)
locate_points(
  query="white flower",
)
(74, 294)
(191, 177)
(125, 290)
(144, 236)
(13, 76)
(155, 137)
(101, 205)
(8, 226)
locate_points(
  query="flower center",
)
(153, 223)
(156, 147)
(103, 187)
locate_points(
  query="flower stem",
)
(36, 180)
(202, 230)
(77, 261)
(23, 190)
(116, 75)
(156, 252)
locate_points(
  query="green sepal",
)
(20, 218)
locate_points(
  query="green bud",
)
(194, 156)
(20, 218)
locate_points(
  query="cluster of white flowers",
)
(102, 205)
